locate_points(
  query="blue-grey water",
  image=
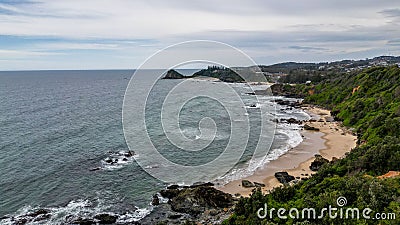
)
(57, 126)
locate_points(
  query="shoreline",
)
(331, 141)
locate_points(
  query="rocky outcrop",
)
(173, 74)
(106, 218)
(187, 204)
(318, 162)
(247, 184)
(294, 104)
(308, 127)
(285, 90)
(196, 200)
(284, 177)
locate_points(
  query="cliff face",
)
(172, 74)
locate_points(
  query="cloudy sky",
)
(105, 34)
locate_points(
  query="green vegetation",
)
(369, 102)
(222, 73)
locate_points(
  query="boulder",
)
(38, 212)
(284, 177)
(308, 127)
(196, 200)
(155, 200)
(106, 218)
(293, 120)
(247, 184)
(208, 184)
(169, 193)
(318, 162)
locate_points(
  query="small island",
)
(222, 73)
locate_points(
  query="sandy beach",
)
(331, 141)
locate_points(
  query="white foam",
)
(292, 131)
(77, 208)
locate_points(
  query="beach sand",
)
(332, 141)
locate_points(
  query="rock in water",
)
(106, 218)
(284, 177)
(156, 200)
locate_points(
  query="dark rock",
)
(38, 212)
(195, 200)
(129, 154)
(42, 217)
(208, 184)
(124, 159)
(174, 216)
(292, 120)
(174, 186)
(318, 162)
(21, 221)
(155, 200)
(108, 160)
(247, 184)
(292, 104)
(4, 217)
(297, 177)
(284, 177)
(105, 218)
(172, 74)
(82, 221)
(308, 127)
(169, 193)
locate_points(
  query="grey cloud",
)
(307, 48)
(391, 12)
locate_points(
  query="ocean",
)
(59, 129)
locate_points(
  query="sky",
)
(122, 34)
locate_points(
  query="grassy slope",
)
(374, 113)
